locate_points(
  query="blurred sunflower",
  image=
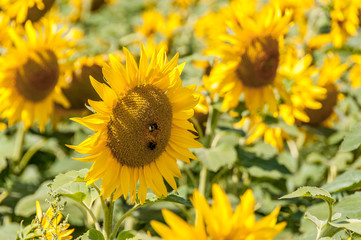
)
(23, 10)
(355, 71)
(299, 9)
(153, 22)
(331, 71)
(257, 128)
(51, 226)
(4, 26)
(141, 126)
(297, 73)
(344, 23)
(250, 53)
(79, 88)
(2, 126)
(81, 7)
(219, 221)
(31, 84)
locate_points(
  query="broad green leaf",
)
(215, 158)
(78, 196)
(346, 206)
(352, 139)
(249, 159)
(9, 231)
(26, 205)
(126, 235)
(350, 224)
(72, 185)
(346, 181)
(92, 234)
(172, 197)
(311, 192)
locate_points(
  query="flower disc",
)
(259, 63)
(140, 129)
(38, 76)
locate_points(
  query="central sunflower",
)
(143, 116)
(141, 126)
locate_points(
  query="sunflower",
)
(219, 221)
(51, 225)
(344, 23)
(153, 22)
(250, 54)
(355, 71)
(331, 71)
(81, 7)
(23, 10)
(299, 9)
(31, 84)
(257, 128)
(4, 26)
(298, 72)
(141, 126)
(2, 126)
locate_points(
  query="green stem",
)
(27, 156)
(202, 180)
(19, 142)
(190, 175)
(97, 227)
(115, 230)
(104, 205)
(329, 212)
(108, 218)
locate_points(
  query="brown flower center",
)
(259, 63)
(38, 76)
(34, 14)
(141, 125)
(317, 116)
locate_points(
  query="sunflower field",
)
(180, 119)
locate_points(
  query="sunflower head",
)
(219, 221)
(50, 224)
(259, 63)
(318, 116)
(141, 126)
(31, 84)
(23, 10)
(143, 115)
(37, 76)
(331, 71)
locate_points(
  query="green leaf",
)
(352, 139)
(92, 234)
(350, 224)
(215, 158)
(72, 185)
(78, 196)
(311, 192)
(346, 181)
(172, 197)
(346, 206)
(26, 205)
(125, 235)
